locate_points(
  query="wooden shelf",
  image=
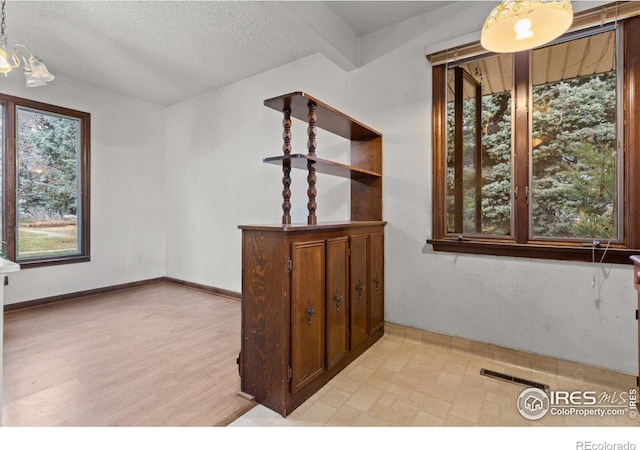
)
(299, 161)
(329, 119)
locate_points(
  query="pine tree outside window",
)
(46, 182)
(535, 153)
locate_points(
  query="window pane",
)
(574, 151)
(47, 193)
(478, 179)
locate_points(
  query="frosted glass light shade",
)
(517, 25)
(33, 81)
(39, 71)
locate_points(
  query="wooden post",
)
(478, 160)
(458, 154)
(286, 168)
(311, 165)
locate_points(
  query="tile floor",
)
(404, 381)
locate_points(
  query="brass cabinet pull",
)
(360, 288)
(310, 311)
(338, 299)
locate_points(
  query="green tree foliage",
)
(496, 164)
(47, 165)
(574, 160)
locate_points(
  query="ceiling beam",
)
(456, 19)
(321, 28)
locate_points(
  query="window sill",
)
(567, 252)
(29, 264)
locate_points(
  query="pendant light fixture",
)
(35, 72)
(516, 25)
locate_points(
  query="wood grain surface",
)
(155, 355)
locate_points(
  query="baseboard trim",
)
(119, 287)
(518, 359)
(79, 294)
(203, 287)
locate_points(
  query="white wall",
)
(127, 192)
(216, 181)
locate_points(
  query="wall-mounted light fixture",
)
(516, 25)
(33, 68)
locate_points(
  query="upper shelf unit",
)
(365, 169)
(329, 119)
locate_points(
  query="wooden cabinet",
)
(313, 294)
(306, 307)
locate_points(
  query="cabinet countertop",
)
(317, 227)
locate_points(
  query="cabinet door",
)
(307, 313)
(359, 291)
(376, 282)
(337, 299)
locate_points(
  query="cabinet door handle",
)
(310, 311)
(376, 280)
(338, 299)
(360, 288)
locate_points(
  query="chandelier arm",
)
(31, 55)
(15, 61)
(17, 55)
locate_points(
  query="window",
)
(536, 153)
(45, 182)
(478, 191)
(574, 135)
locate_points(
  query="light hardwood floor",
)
(156, 355)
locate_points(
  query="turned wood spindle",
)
(286, 168)
(311, 165)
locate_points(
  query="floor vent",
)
(512, 379)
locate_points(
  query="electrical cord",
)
(593, 259)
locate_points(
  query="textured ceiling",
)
(163, 52)
(166, 52)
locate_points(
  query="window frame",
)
(520, 244)
(10, 104)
